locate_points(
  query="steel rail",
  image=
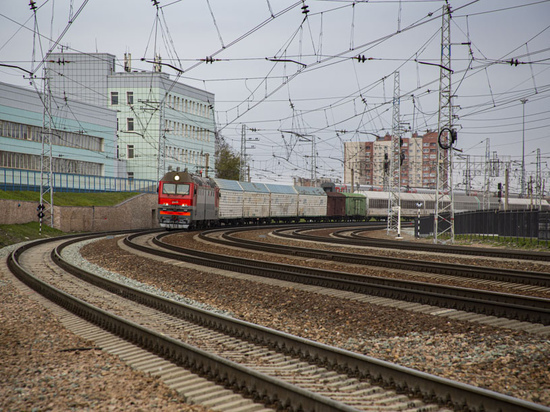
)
(443, 391)
(477, 272)
(261, 387)
(404, 379)
(523, 308)
(359, 240)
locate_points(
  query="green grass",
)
(11, 234)
(72, 199)
(501, 241)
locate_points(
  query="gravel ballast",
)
(513, 363)
(44, 367)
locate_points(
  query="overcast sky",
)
(316, 87)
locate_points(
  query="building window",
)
(130, 97)
(130, 175)
(130, 124)
(114, 98)
(130, 151)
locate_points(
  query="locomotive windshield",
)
(175, 189)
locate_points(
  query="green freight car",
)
(356, 206)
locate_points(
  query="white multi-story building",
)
(161, 123)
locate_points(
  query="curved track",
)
(511, 306)
(359, 237)
(461, 270)
(219, 358)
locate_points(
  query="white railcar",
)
(283, 201)
(312, 202)
(256, 201)
(231, 201)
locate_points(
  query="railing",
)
(520, 224)
(28, 180)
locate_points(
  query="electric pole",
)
(487, 180)
(394, 203)
(522, 194)
(45, 206)
(444, 208)
(242, 163)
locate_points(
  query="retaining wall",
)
(139, 212)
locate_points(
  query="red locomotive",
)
(187, 201)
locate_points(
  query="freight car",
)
(259, 203)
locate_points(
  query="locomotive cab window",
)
(175, 189)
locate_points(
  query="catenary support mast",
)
(395, 163)
(45, 207)
(444, 208)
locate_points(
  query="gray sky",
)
(322, 90)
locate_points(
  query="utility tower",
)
(539, 185)
(313, 162)
(242, 163)
(45, 207)
(487, 179)
(394, 203)
(444, 208)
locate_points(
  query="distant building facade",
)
(368, 163)
(83, 136)
(161, 124)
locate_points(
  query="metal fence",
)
(526, 224)
(28, 180)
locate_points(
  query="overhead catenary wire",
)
(333, 107)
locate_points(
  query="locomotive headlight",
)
(176, 177)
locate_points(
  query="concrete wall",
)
(139, 212)
(16, 212)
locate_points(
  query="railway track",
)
(467, 271)
(505, 305)
(359, 237)
(265, 364)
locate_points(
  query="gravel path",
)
(34, 374)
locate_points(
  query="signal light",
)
(40, 210)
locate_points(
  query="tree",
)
(227, 162)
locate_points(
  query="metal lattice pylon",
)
(487, 177)
(444, 208)
(45, 207)
(242, 159)
(395, 163)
